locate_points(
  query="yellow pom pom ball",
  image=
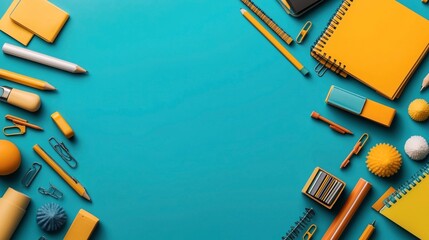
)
(419, 110)
(383, 160)
(10, 158)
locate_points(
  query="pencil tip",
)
(86, 196)
(49, 87)
(80, 70)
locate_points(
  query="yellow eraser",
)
(82, 226)
(12, 29)
(62, 124)
(40, 17)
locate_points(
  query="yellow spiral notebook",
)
(378, 42)
(408, 206)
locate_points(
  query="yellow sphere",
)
(10, 158)
(419, 110)
(383, 160)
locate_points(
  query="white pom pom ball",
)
(416, 148)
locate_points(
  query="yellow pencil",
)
(63, 174)
(24, 80)
(274, 41)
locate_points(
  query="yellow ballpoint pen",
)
(63, 174)
(274, 41)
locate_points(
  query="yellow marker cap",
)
(62, 124)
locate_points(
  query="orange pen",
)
(72, 182)
(334, 126)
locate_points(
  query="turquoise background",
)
(191, 125)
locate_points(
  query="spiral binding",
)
(327, 62)
(299, 225)
(407, 186)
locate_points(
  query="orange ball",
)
(10, 157)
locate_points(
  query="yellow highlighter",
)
(368, 231)
(74, 183)
(274, 41)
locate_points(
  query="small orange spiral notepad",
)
(379, 43)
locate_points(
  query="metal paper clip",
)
(31, 174)
(19, 126)
(43, 238)
(51, 191)
(356, 149)
(303, 32)
(63, 151)
(310, 232)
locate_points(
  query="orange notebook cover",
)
(378, 42)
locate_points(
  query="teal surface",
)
(190, 125)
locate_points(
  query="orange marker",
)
(332, 125)
(356, 149)
(349, 208)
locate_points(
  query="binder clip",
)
(19, 126)
(303, 32)
(310, 232)
(31, 174)
(299, 225)
(63, 151)
(356, 149)
(51, 191)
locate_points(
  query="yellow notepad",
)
(12, 29)
(379, 43)
(408, 206)
(41, 17)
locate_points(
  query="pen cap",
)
(25, 100)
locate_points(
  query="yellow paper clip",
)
(424, 1)
(19, 126)
(310, 232)
(356, 149)
(303, 32)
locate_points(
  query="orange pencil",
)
(334, 126)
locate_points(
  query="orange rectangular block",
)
(82, 227)
(62, 124)
(362, 106)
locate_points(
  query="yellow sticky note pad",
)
(12, 29)
(82, 226)
(41, 17)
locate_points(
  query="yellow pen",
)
(63, 174)
(274, 41)
(368, 231)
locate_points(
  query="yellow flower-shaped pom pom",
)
(383, 160)
(419, 110)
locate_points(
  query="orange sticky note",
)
(12, 29)
(41, 17)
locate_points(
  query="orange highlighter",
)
(368, 231)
